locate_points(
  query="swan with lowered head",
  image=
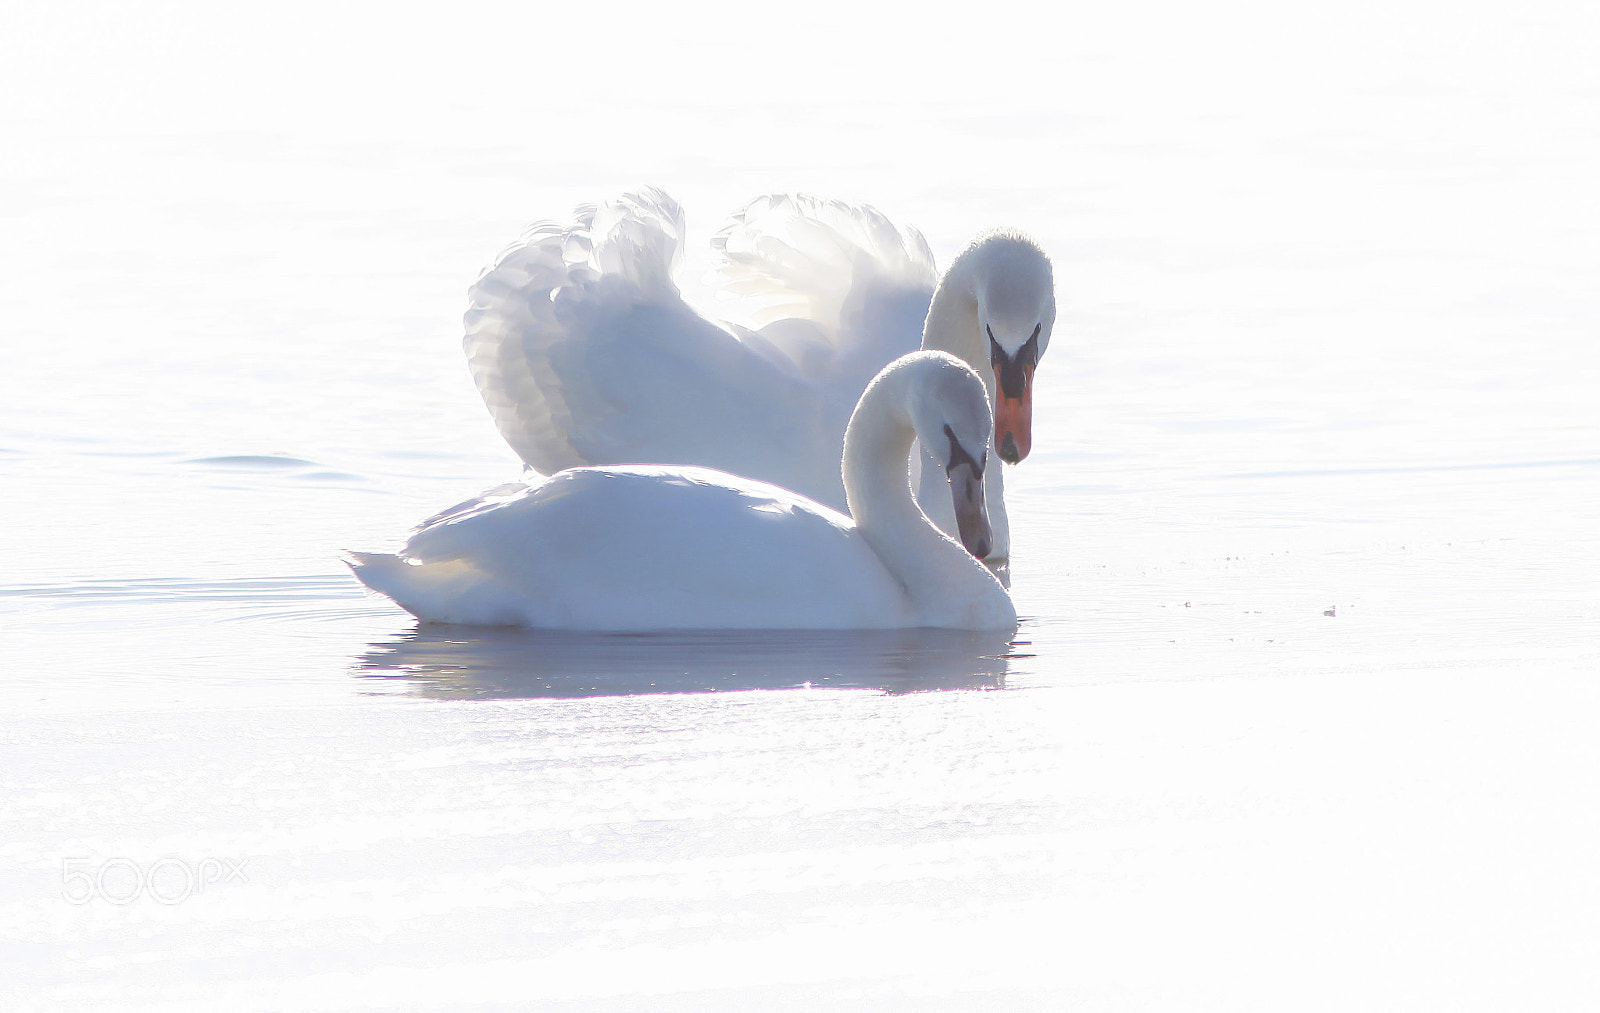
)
(639, 548)
(586, 353)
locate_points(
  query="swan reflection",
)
(459, 662)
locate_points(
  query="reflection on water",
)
(479, 663)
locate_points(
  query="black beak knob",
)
(1008, 450)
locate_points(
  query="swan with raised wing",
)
(657, 547)
(586, 352)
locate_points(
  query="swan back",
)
(641, 548)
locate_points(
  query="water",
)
(1301, 711)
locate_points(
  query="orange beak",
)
(1013, 420)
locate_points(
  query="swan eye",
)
(1027, 355)
(959, 455)
(1012, 372)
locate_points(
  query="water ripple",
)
(475, 663)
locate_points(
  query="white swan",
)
(659, 547)
(587, 354)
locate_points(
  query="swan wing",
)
(835, 288)
(586, 353)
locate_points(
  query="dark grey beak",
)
(972, 520)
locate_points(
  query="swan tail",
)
(441, 591)
(802, 270)
(529, 313)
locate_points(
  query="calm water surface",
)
(1300, 714)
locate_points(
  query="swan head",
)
(950, 412)
(1016, 297)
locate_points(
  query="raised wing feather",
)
(835, 286)
(586, 353)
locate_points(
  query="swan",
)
(661, 547)
(586, 353)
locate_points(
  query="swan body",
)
(586, 353)
(658, 547)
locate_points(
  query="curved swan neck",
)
(941, 579)
(877, 446)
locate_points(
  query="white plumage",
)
(670, 547)
(586, 353)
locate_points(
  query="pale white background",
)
(1327, 345)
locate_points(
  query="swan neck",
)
(877, 449)
(952, 324)
(944, 585)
